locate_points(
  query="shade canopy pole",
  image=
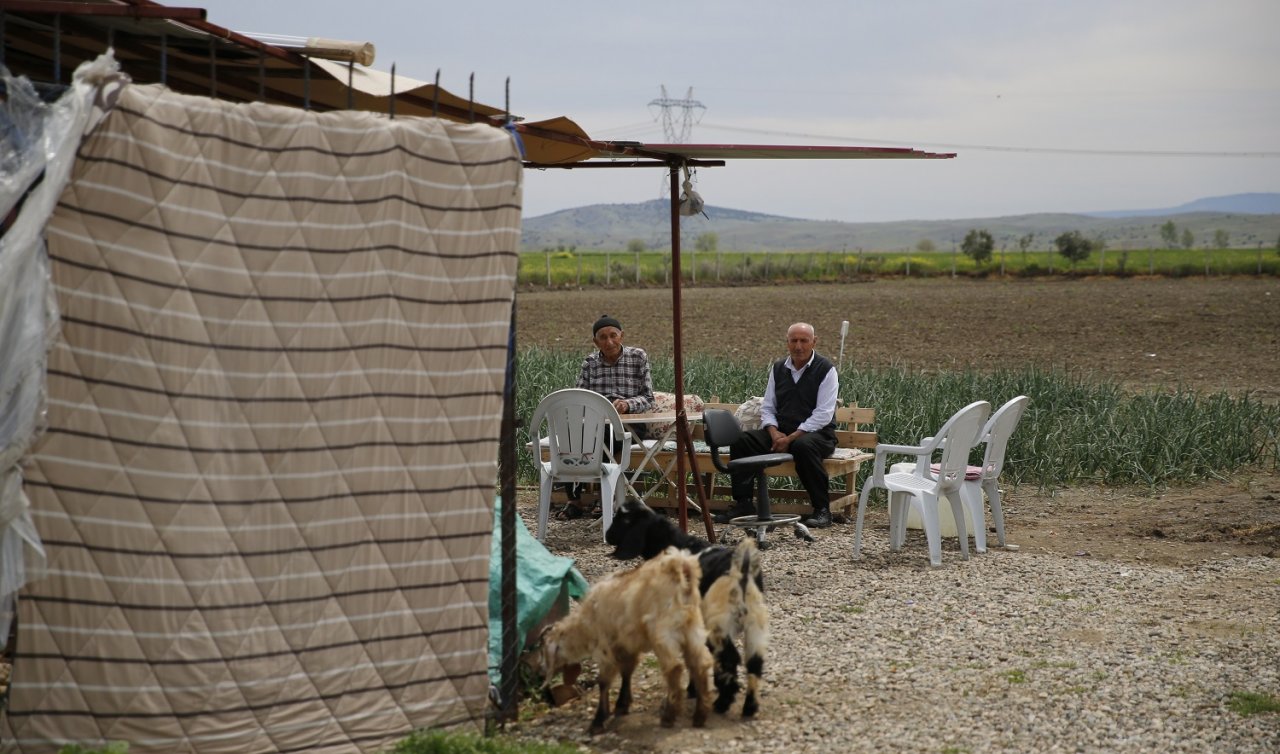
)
(684, 440)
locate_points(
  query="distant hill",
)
(1251, 219)
(1248, 204)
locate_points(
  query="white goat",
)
(732, 589)
(652, 607)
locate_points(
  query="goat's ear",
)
(633, 542)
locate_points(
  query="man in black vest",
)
(796, 417)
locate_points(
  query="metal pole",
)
(57, 49)
(684, 439)
(507, 461)
(844, 330)
(682, 421)
(391, 107)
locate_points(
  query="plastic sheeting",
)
(544, 584)
(38, 144)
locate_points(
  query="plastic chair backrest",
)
(721, 429)
(997, 432)
(957, 436)
(576, 420)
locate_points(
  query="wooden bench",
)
(855, 443)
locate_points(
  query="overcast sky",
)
(1051, 106)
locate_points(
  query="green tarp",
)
(541, 580)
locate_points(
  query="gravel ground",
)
(1011, 651)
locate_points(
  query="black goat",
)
(732, 589)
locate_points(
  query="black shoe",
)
(820, 519)
(739, 509)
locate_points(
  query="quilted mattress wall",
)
(266, 485)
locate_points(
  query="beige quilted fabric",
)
(266, 485)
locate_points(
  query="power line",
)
(999, 148)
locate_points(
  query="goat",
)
(654, 606)
(732, 588)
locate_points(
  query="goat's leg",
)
(726, 657)
(698, 660)
(604, 681)
(672, 672)
(626, 667)
(755, 640)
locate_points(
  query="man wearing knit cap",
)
(619, 373)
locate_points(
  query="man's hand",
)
(621, 405)
(781, 442)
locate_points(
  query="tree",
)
(1188, 239)
(977, 245)
(1220, 239)
(926, 246)
(635, 245)
(706, 242)
(1074, 247)
(1169, 234)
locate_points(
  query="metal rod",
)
(351, 72)
(306, 85)
(57, 49)
(471, 99)
(435, 97)
(391, 106)
(682, 421)
(509, 689)
(54, 7)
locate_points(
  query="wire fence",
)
(589, 269)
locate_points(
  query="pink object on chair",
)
(971, 473)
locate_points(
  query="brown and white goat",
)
(732, 588)
(652, 607)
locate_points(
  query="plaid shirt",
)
(628, 378)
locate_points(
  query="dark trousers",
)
(808, 452)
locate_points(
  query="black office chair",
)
(722, 429)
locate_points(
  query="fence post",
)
(548, 258)
(718, 255)
(858, 271)
(637, 268)
(1002, 261)
(1206, 261)
(1259, 257)
(579, 257)
(693, 266)
(1102, 260)
(1151, 261)
(608, 269)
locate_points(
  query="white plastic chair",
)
(576, 447)
(999, 428)
(922, 491)
(981, 479)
